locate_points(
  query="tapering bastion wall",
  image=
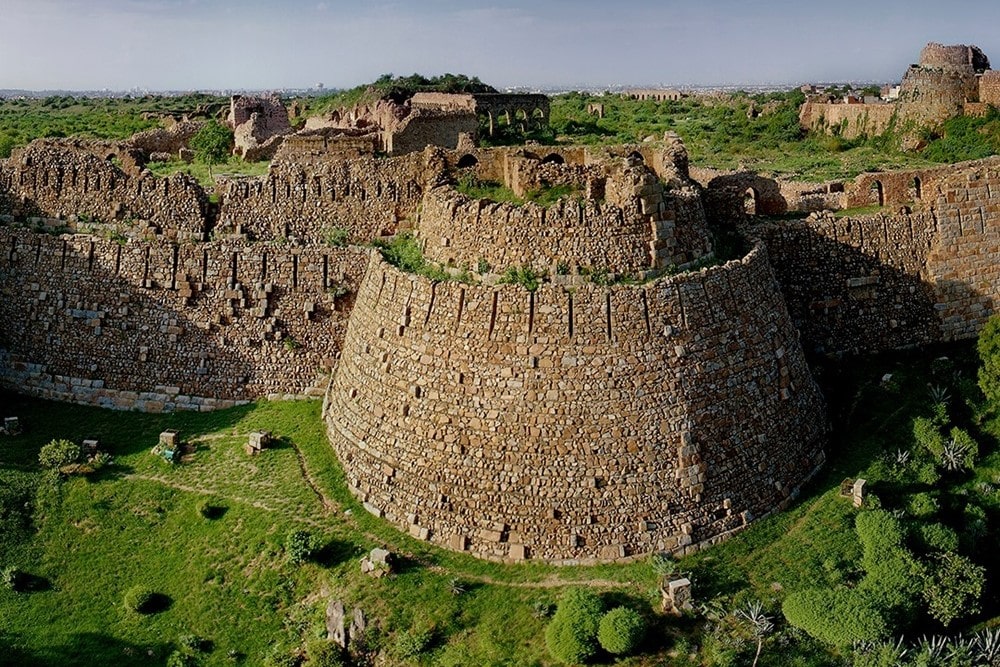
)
(592, 424)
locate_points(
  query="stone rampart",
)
(424, 128)
(571, 426)
(989, 88)
(156, 326)
(847, 120)
(367, 196)
(49, 180)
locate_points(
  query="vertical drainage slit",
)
(173, 272)
(204, 267)
(607, 312)
(380, 288)
(493, 317)
(38, 251)
(145, 267)
(62, 262)
(645, 313)
(263, 266)
(461, 306)
(531, 310)
(569, 313)
(295, 271)
(118, 259)
(90, 258)
(430, 305)
(326, 271)
(232, 277)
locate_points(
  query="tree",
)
(212, 143)
(952, 587)
(571, 636)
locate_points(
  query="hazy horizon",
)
(260, 44)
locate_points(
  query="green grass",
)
(234, 166)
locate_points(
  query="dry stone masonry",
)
(574, 423)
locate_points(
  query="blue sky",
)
(198, 44)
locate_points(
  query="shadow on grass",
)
(336, 552)
(82, 650)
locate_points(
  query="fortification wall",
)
(855, 284)
(847, 120)
(574, 426)
(953, 56)
(158, 326)
(49, 180)
(426, 128)
(368, 197)
(989, 88)
(931, 96)
(963, 264)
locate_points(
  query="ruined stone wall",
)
(426, 128)
(368, 197)
(931, 96)
(963, 264)
(51, 181)
(989, 88)
(574, 426)
(159, 326)
(894, 188)
(855, 284)
(953, 56)
(847, 120)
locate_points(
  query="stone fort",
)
(650, 394)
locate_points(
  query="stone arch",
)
(553, 158)
(467, 160)
(750, 201)
(635, 157)
(877, 193)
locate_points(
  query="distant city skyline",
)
(266, 44)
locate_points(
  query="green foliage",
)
(324, 653)
(952, 587)
(571, 635)
(937, 537)
(620, 631)
(548, 196)
(928, 436)
(413, 642)
(840, 616)
(139, 599)
(397, 88)
(212, 143)
(889, 567)
(968, 447)
(300, 546)
(59, 453)
(524, 276)
(12, 578)
(965, 138)
(474, 188)
(988, 346)
(337, 237)
(922, 505)
(181, 659)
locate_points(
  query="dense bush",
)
(413, 642)
(324, 653)
(988, 346)
(59, 453)
(889, 568)
(12, 578)
(181, 659)
(839, 616)
(139, 599)
(952, 587)
(922, 505)
(620, 631)
(937, 537)
(571, 636)
(300, 545)
(928, 436)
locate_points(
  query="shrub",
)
(59, 453)
(922, 505)
(952, 587)
(181, 659)
(928, 436)
(968, 447)
(191, 643)
(988, 346)
(889, 567)
(12, 578)
(620, 631)
(571, 636)
(524, 276)
(324, 653)
(413, 642)
(300, 545)
(139, 599)
(840, 616)
(337, 236)
(937, 537)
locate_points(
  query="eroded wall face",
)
(156, 326)
(583, 425)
